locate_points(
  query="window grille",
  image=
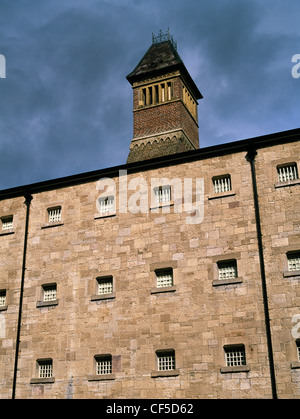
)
(235, 356)
(166, 360)
(227, 270)
(7, 223)
(294, 261)
(162, 194)
(103, 365)
(222, 184)
(287, 172)
(54, 214)
(50, 292)
(2, 298)
(105, 285)
(164, 278)
(45, 369)
(106, 205)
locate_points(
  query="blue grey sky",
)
(66, 106)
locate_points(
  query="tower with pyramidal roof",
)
(165, 119)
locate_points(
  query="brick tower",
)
(165, 98)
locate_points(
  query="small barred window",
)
(2, 298)
(235, 355)
(164, 278)
(227, 269)
(165, 360)
(49, 292)
(287, 172)
(294, 261)
(162, 194)
(54, 215)
(105, 285)
(7, 222)
(222, 183)
(103, 364)
(45, 369)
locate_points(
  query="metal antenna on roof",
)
(163, 37)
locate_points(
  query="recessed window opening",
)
(222, 183)
(165, 360)
(235, 355)
(293, 261)
(162, 194)
(45, 368)
(2, 298)
(287, 172)
(227, 269)
(7, 222)
(105, 285)
(49, 292)
(103, 364)
(164, 278)
(54, 215)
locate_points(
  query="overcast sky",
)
(66, 106)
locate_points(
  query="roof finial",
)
(163, 37)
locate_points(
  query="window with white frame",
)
(103, 364)
(106, 205)
(2, 298)
(287, 172)
(49, 292)
(162, 194)
(45, 368)
(104, 285)
(165, 360)
(7, 222)
(222, 183)
(293, 261)
(164, 277)
(227, 269)
(235, 355)
(54, 215)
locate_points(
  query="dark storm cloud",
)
(66, 106)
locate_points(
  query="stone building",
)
(175, 275)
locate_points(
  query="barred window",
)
(45, 368)
(227, 269)
(165, 360)
(49, 292)
(298, 349)
(105, 285)
(287, 172)
(2, 297)
(54, 215)
(293, 261)
(103, 364)
(164, 277)
(7, 222)
(162, 194)
(235, 355)
(106, 205)
(222, 183)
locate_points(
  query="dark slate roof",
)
(159, 59)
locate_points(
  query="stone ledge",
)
(295, 364)
(49, 225)
(42, 380)
(109, 296)
(221, 195)
(288, 274)
(41, 304)
(6, 232)
(218, 282)
(170, 373)
(159, 290)
(99, 377)
(239, 368)
(287, 183)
